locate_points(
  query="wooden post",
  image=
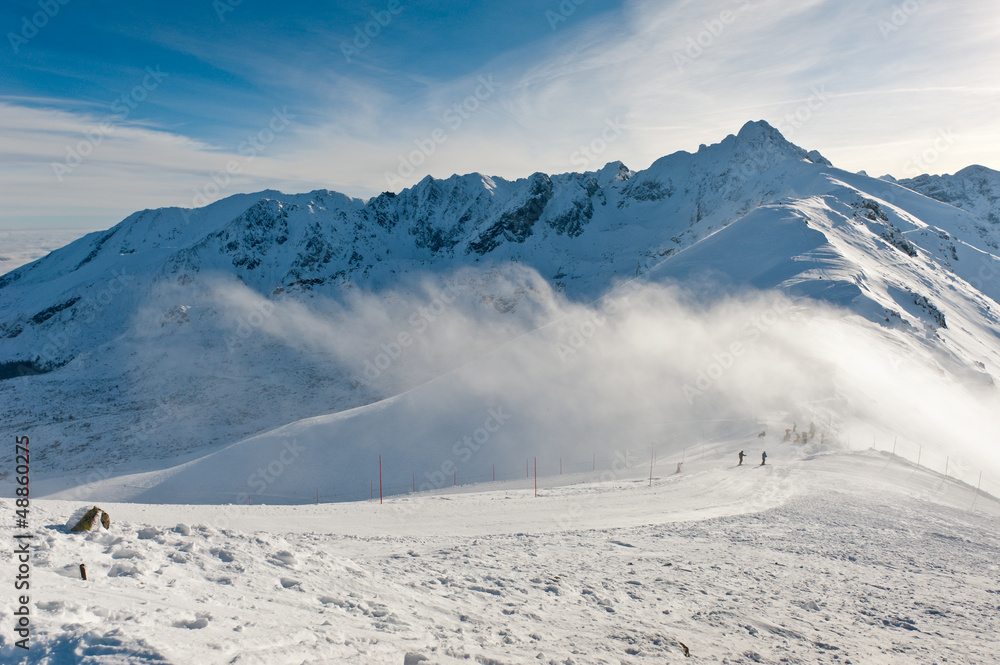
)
(83, 572)
(317, 496)
(494, 471)
(414, 482)
(536, 476)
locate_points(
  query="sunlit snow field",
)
(819, 557)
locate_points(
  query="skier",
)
(741, 458)
(763, 458)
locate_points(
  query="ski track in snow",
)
(838, 558)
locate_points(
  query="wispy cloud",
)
(673, 75)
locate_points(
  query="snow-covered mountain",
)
(975, 189)
(180, 331)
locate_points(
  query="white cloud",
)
(675, 75)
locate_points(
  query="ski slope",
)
(822, 556)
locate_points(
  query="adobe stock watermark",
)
(365, 32)
(771, 155)
(249, 149)
(223, 7)
(622, 461)
(248, 325)
(30, 26)
(465, 448)
(260, 480)
(725, 360)
(122, 108)
(419, 321)
(713, 29)
(565, 9)
(83, 315)
(921, 163)
(593, 322)
(585, 155)
(791, 122)
(987, 274)
(453, 119)
(900, 15)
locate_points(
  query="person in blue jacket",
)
(763, 458)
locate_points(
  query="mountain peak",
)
(760, 129)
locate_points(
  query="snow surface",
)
(822, 556)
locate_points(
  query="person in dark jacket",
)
(741, 458)
(763, 458)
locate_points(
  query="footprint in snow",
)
(223, 555)
(123, 570)
(289, 583)
(285, 558)
(201, 621)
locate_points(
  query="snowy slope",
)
(818, 557)
(975, 189)
(178, 332)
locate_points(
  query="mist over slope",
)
(598, 309)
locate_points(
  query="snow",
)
(822, 556)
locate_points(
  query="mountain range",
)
(179, 333)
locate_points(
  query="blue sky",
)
(106, 108)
